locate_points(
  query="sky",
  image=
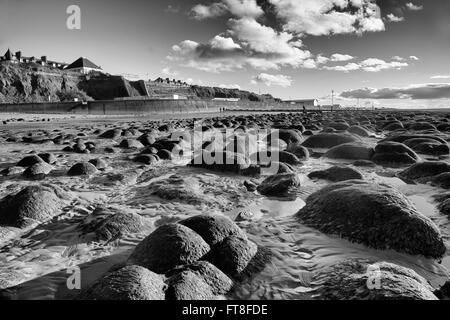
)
(390, 53)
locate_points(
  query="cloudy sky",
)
(393, 53)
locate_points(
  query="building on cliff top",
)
(19, 58)
(83, 65)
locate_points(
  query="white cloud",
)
(201, 12)
(272, 80)
(238, 8)
(411, 6)
(415, 91)
(221, 43)
(169, 72)
(230, 86)
(368, 65)
(247, 43)
(377, 65)
(321, 59)
(393, 18)
(326, 17)
(345, 68)
(440, 77)
(337, 57)
(398, 58)
(414, 58)
(244, 8)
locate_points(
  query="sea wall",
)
(139, 106)
(117, 107)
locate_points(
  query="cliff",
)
(23, 83)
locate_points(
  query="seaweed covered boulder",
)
(82, 169)
(128, 283)
(218, 282)
(112, 134)
(340, 126)
(441, 180)
(177, 188)
(375, 215)
(394, 154)
(420, 126)
(359, 131)
(350, 151)
(337, 174)
(32, 205)
(288, 136)
(38, 171)
(131, 144)
(279, 184)
(221, 161)
(28, 161)
(299, 151)
(213, 228)
(233, 255)
(188, 285)
(147, 159)
(402, 138)
(108, 224)
(425, 170)
(328, 140)
(432, 148)
(169, 246)
(364, 280)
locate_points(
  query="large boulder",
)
(82, 169)
(298, 150)
(441, 180)
(221, 161)
(350, 151)
(337, 174)
(420, 126)
(359, 131)
(233, 255)
(127, 283)
(28, 161)
(177, 188)
(213, 228)
(402, 138)
(432, 148)
(363, 280)
(109, 225)
(394, 154)
(111, 134)
(188, 285)
(279, 184)
(218, 282)
(288, 136)
(372, 214)
(425, 170)
(38, 171)
(328, 140)
(131, 144)
(169, 246)
(32, 205)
